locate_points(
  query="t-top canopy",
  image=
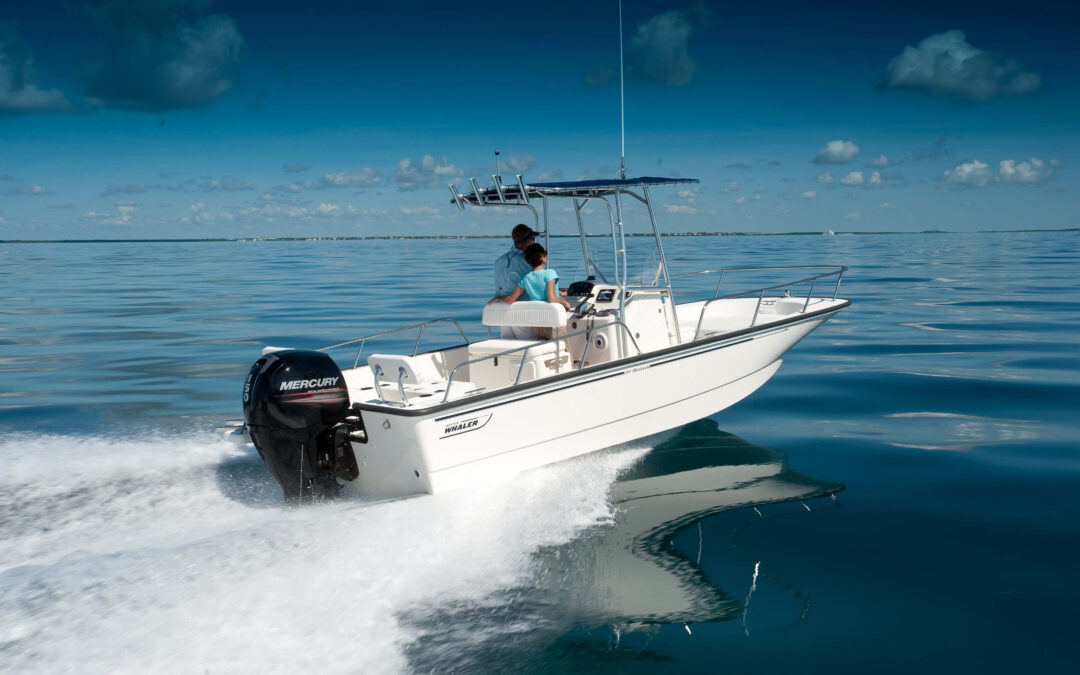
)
(575, 188)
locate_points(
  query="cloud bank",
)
(978, 174)
(659, 49)
(161, 55)
(427, 173)
(946, 65)
(19, 94)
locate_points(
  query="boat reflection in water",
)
(630, 575)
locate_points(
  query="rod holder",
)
(476, 191)
(457, 197)
(521, 188)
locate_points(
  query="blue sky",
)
(161, 118)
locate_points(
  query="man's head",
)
(523, 235)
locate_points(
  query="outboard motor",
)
(296, 408)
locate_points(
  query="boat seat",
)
(532, 313)
(500, 345)
(388, 368)
(419, 387)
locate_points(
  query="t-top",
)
(535, 283)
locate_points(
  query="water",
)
(903, 494)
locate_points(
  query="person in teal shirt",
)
(540, 283)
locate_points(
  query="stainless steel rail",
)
(416, 347)
(838, 272)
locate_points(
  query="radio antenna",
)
(622, 103)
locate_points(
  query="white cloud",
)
(32, 190)
(740, 200)
(978, 174)
(946, 65)
(825, 177)
(2, 221)
(126, 211)
(419, 211)
(809, 194)
(887, 205)
(1032, 171)
(681, 209)
(428, 173)
(837, 152)
(732, 186)
(226, 184)
(325, 209)
(853, 178)
(519, 162)
(690, 195)
(973, 173)
(853, 216)
(363, 178)
(874, 180)
(124, 215)
(880, 161)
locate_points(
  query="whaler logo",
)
(462, 426)
(292, 385)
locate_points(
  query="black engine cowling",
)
(296, 408)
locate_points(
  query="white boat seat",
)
(388, 368)
(525, 313)
(500, 345)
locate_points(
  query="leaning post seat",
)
(531, 313)
(545, 358)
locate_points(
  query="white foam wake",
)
(173, 554)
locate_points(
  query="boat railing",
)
(533, 345)
(838, 272)
(416, 347)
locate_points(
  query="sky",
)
(131, 119)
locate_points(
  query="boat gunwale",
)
(600, 368)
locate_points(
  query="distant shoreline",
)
(500, 236)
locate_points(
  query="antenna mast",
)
(622, 103)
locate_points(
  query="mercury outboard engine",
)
(296, 408)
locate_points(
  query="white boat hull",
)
(413, 452)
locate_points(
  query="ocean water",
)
(904, 494)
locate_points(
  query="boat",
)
(634, 357)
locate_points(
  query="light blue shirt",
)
(509, 268)
(535, 283)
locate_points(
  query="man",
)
(510, 267)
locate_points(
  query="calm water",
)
(903, 495)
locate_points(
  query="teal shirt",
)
(535, 283)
